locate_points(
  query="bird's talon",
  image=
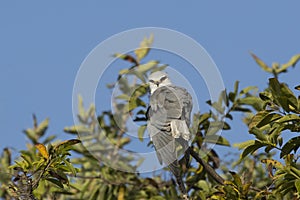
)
(168, 129)
(185, 197)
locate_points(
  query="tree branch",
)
(210, 171)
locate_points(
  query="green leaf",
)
(139, 75)
(241, 109)
(141, 132)
(253, 101)
(223, 97)
(267, 119)
(258, 118)
(298, 102)
(245, 144)
(297, 185)
(67, 144)
(123, 96)
(124, 71)
(55, 182)
(94, 194)
(226, 126)
(216, 139)
(49, 139)
(287, 187)
(289, 118)
(263, 65)
(5, 160)
(283, 96)
(289, 99)
(292, 62)
(81, 111)
(275, 86)
(216, 124)
(31, 135)
(229, 116)
(218, 107)
(247, 89)
(292, 144)
(28, 160)
(204, 117)
(266, 96)
(159, 68)
(148, 66)
(136, 102)
(124, 141)
(58, 174)
(275, 133)
(259, 134)
(70, 168)
(232, 95)
(237, 180)
(295, 171)
(41, 129)
(203, 185)
(157, 198)
(77, 129)
(252, 148)
(140, 90)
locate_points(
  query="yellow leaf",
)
(121, 193)
(42, 149)
(143, 50)
(126, 57)
(273, 163)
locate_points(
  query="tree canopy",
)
(267, 168)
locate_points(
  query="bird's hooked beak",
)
(155, 82)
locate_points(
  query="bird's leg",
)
(185, 146)
(185, 197)
(174, 168)
(185, 160)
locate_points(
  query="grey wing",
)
(166, 99)
(177, 101)
(166, 104)
(187, 102)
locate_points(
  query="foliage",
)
(50, 169)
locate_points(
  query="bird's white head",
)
(158, 79)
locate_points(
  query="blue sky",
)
(42, 46)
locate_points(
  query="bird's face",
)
(158, 79)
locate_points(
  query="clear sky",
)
(42, 45)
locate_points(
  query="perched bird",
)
(168, 122)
